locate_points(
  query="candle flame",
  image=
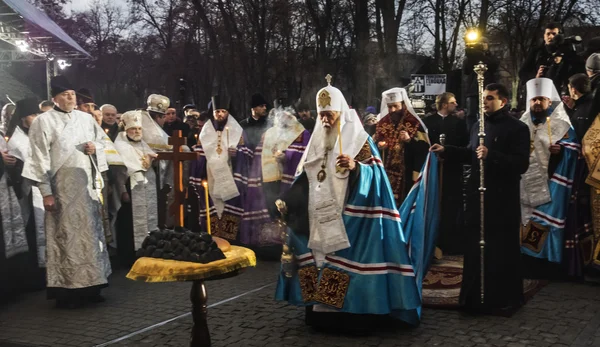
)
(204, 184)
(106, 131)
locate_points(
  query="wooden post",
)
(200, 336)
(177, 157)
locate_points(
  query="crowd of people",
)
(366, 200)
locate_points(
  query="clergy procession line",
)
(357, 206)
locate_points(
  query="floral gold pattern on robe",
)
(393, 153)
(591, 152)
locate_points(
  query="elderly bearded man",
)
(349, 254)
(135, 186)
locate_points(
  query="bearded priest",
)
(223, 164)
(136, 186)
(547, 184)
(349, 254)
(402, 139)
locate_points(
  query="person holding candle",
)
(546, 186)
(351, 258)
(272, 172)
(109, 121)
(403, 141)
(224, 164)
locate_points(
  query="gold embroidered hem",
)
(333, 287)
(161, 270)
(226, 227)
(330, 290)
(308, 277)
(595, 204)
(533, 236)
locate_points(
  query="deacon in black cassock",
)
(256, 125)
(506, 155)
(451, 233)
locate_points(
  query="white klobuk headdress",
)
(542, 87)
(394, 95)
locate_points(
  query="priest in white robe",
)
(546, 186)
(136, 186)
(67, 170)
(24, 271)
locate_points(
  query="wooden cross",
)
(328, 79)
(177, 157)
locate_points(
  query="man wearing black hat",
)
(32, 260)
(64, 163)
(85, 101)
(224, 163)
(256, 125)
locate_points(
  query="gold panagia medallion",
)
(219, 151)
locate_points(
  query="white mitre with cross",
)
(542, 87)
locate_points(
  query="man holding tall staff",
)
(505, 154)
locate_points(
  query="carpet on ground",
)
(441, 286)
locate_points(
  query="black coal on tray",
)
(180, 244)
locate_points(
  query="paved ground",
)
(561, 314)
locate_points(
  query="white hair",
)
(107, 106)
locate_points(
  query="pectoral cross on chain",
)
(177, 157)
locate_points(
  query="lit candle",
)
(549, 130)
(196, 136)
(227, 129)
(383, 143)
(106, 131)
(6, 138)
(340, 134)
(205, 185)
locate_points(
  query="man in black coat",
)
(451, 232)
(592, 67)
(172, 123)
(256, 125)
(506, 156)
(552, 59)
(581, 113)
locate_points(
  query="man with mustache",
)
(546, 186)
(224, 161)
(135, 186)
(402, 140)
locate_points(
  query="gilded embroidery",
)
(333, 287)
(533, 236)
(226, 227)
(365, 153)
(308, 282)
(324, 99)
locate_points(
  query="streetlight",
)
(63, 64)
